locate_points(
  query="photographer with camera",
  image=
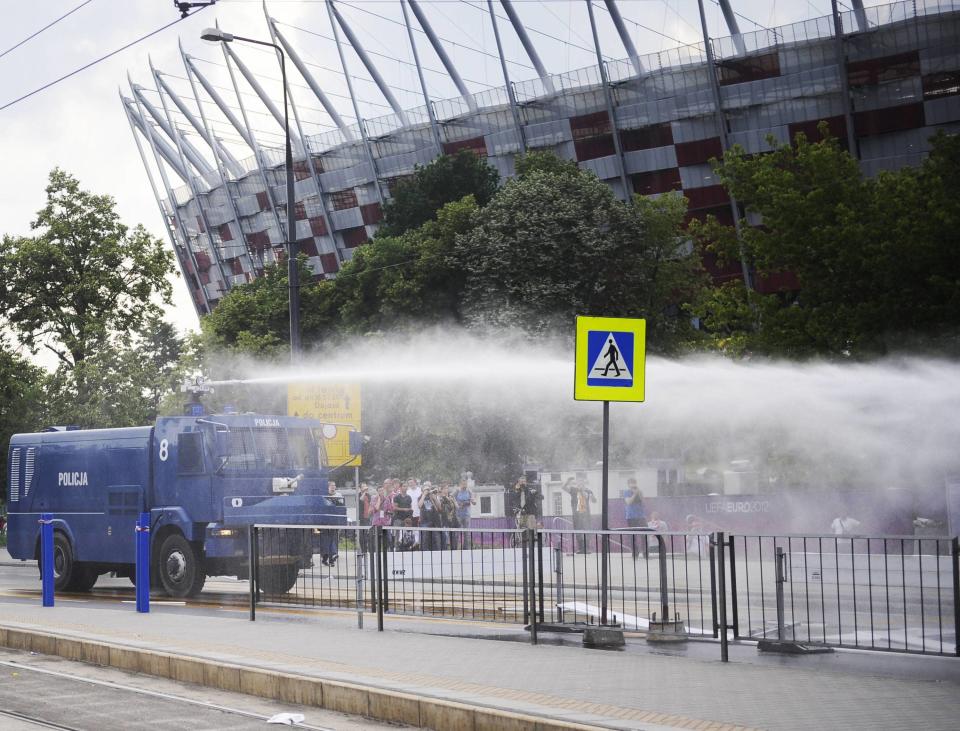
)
(431, 516)
(580, 498)
(524, 502)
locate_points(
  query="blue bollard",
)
(46, 557)
(143, 563)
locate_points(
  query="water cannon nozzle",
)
(196, 385)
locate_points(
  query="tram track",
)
(35, 721)
(112, 686)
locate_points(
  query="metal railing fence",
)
(665, 576)
(313, 566)
(895, 593)
(454, 572)
(891, 593)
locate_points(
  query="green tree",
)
(84, 282)
(21, 398)
(446, 179)
(254, 318)
(127, 380)
(544, 162)
(875, 258)
(556, 243)
(405, 281)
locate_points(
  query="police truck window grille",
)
(28, 470)
(241, 452)
(190, 453)
(302, 448)
(15, 476)
(285, 449)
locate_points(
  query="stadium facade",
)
(883, 78)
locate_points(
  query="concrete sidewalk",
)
(5, 559)
(458, 682)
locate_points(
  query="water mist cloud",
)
(882, 424)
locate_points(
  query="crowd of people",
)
(412, 505)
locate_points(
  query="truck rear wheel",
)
(278, 579)
(68, 574)
(180, 567)
(83, 578)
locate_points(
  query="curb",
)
(333, 695)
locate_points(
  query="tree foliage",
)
(446, 179)
(21, 398)
(875, 258)
(254, 318)
(556, 243)
(84, 281)
(406, 281)
(91, 291)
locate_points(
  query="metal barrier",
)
(895, 593)
(651, 577)
(312, 566)
(455, 572)
(879, 593)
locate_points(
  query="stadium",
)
(884, 79)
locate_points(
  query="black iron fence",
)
(887, 593)
(879, 593)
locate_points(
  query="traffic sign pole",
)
(604, 518)
(609, 365)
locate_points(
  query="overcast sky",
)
(79, 124)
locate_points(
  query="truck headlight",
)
(223, 532)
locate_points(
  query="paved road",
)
(637, 689)
(39, 689)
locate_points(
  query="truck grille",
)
(28, 470)
(15, 475)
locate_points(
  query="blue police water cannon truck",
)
(203, 479)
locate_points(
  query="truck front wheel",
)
(180, 566)
(68, 573)
(278, 579)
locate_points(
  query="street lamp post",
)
(293, 271)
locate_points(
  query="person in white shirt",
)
(414, 490)
(844, 526)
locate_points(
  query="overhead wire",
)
(447, 40)
(48, 25)
(669, 6)
(224, 123)
(639, 25)
(331, 70)
(253, 95)
(743, 17)
(94, 62)
(530, 28)
(376, 53)
(570, 29)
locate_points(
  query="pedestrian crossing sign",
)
(610, 359)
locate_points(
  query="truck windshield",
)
(271, 449)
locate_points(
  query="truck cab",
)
(204, 480)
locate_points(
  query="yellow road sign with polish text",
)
(332, 403)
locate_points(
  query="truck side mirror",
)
(357, 440)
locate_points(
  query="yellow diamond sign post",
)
(610, 365)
